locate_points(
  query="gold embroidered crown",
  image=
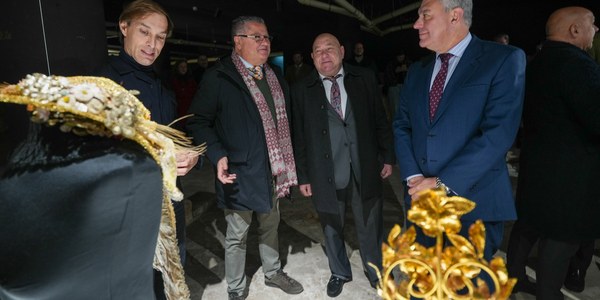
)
(99, 106)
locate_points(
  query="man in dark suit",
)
(298, 70)
(557, 196)
(240, 111)
(343, 148)
(361, 60)
(458, 116)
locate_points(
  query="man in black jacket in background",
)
(557, 195)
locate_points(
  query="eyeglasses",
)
(257, 38)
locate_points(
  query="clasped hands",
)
(420, 183)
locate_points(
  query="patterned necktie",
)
(335, 96)
(437, 89)
(256, 72)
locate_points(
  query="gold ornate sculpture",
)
(99, 106)
(438, 272)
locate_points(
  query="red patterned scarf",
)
(279, 144)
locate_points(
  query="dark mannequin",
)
(79, 218)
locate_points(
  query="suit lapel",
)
(463, 71)
(352, 90)
(317, 91)
(423, 106)
(249, 103)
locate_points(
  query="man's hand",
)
(420, 183)
(305, 190)
(386, 171)
(415, 181)
(185, 162)
(222, 173)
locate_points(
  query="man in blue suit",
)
(458, 115)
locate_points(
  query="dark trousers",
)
(521, 241)
(369, 229)
(556, 258)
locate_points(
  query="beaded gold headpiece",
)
(438, 272)
(98, 106)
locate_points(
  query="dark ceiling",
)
(203, 26)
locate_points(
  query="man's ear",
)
(236, 42)
(342, 50)
(123, 27)
(574, 30)
(457, 14)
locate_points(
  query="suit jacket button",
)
(329, 180)
(423, 161)
(326, 155)
(324, 131)
(322, 106)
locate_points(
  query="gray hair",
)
(238, 24)
(466, 5)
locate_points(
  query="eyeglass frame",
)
(257, 38)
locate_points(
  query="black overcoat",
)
(560, 158)
(156, 98)
(312, 145)
(228, 120)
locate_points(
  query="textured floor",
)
(300, 249)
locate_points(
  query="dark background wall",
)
(74, 43)
(522, 20)
(70, 37)
(64, 37)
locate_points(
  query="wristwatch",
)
(440, 184)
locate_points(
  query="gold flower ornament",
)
(438, 272)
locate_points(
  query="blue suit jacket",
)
(475, 125)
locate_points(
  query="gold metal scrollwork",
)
(438, 272)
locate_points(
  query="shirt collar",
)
(459, 49)
(247, 64)
(341, 71)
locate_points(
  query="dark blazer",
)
(158, 100)
(560, 158)
(312, 146)
(227, 119)
(475, 125)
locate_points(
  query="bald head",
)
(327, 54)
(330, 38)
(573, 25)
